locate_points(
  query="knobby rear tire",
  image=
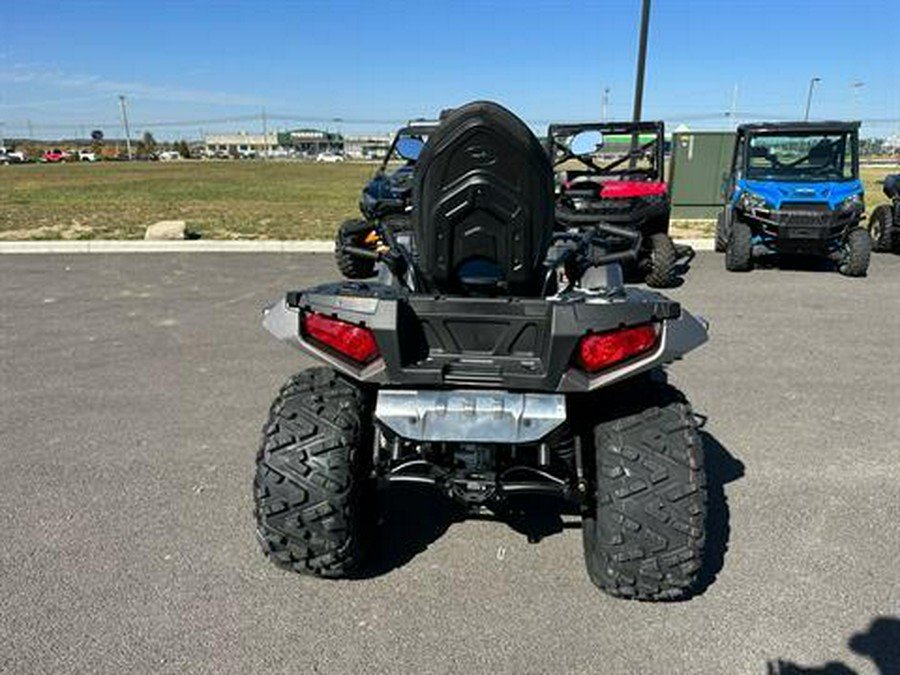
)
(644, 537)
(314, 494)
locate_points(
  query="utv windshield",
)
(618, 156)
(405, 149)
(801, 157)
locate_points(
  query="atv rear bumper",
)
(509, 344)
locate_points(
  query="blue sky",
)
(374, 64)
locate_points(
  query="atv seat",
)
(483, 196)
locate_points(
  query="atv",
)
(794, 188)
(495, 357)
(385, 201)
(614, 172)
(884, 224)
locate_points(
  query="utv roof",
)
(418, 127)
(803, 127)
(612, 128)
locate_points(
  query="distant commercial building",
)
(307, 142)
(311, 142)
(366, 147)
(241, 143)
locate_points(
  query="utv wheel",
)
(314, 495)
(645, 537)
(856, 253)
(661, 263)
(353, 232)
(881, 228)
(739, 250)
(721, 233)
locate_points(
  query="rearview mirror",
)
(409, 147)
(586, 142)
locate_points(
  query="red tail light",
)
(597, 351)
(354, 342)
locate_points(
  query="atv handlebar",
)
(579, 250)
(359, 252)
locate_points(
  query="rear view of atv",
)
(502, 358)
(384, 202)
(884, 224)
(613, 173)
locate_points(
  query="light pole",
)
(606, 104)
(812, 83)
(639, 78)
(856, 86)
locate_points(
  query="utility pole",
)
(812, 83)
(125, 124)
(639, 78)
(606, 104)
(265, 134)
(732, 114)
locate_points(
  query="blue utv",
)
(794, 188)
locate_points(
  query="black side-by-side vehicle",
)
(385, 201)
(494, 358)
(884, 224)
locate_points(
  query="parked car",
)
(87, 156)
(277, 153)
(54, 156)
(169, 156)
(9, 156)
(329, 157)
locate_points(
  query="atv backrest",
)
(483, 203)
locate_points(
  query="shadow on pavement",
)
(880, 643)
(721, 468)
(796, 263)
(412, 517)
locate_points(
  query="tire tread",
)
(646, 538)
(311, 482)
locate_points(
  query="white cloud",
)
(20, 73)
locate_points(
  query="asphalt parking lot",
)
(132, 389)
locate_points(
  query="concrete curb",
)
(143, 246)
(207, 246)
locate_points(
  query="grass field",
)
(219, 200)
